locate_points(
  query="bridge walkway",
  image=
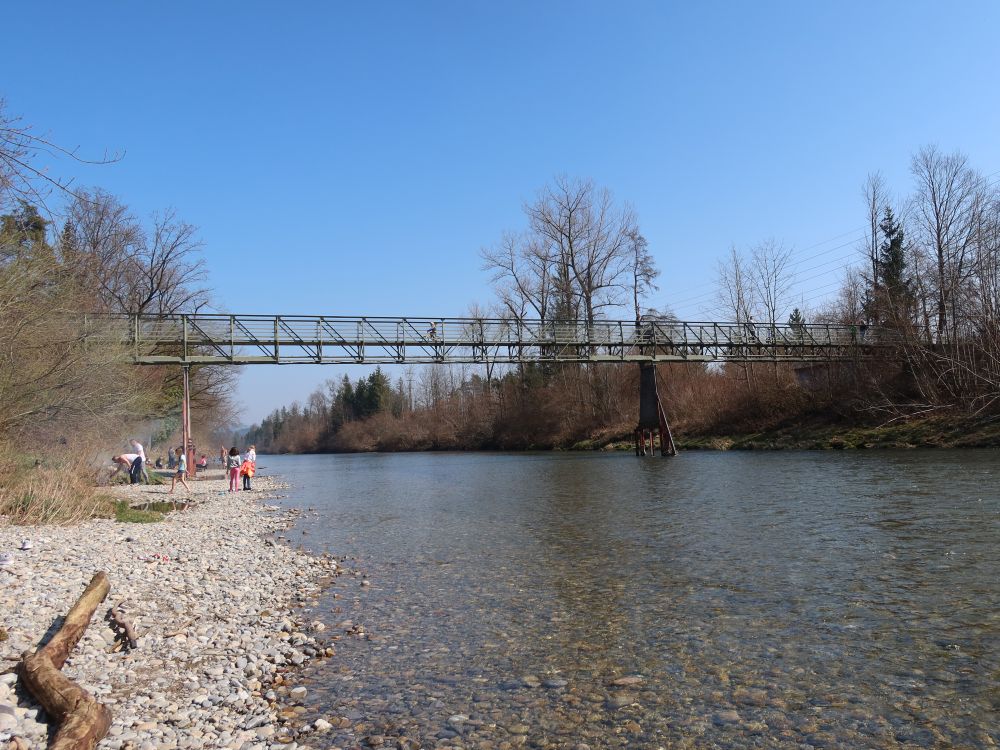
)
(302, 339)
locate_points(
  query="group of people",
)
(240, 466)
(135, 464)
(237, 466)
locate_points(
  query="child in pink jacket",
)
(233, 462)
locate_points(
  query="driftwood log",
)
(83, 721)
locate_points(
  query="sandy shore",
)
(221, 613)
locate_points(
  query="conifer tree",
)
(894, 298)
(797, 321)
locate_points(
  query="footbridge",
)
(210, 339)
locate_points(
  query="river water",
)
(800, 599)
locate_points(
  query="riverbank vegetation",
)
(66, 406)
(928, 270)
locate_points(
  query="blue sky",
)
(354, 158)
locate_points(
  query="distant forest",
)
(928, 268)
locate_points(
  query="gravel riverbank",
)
(221, 613)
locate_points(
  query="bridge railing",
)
(235, 339)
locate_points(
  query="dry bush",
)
(61, 394)
(60, 490)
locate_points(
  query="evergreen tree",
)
(797, 322)
(893, 298)
(23, 234)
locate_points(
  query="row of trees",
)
(929, 269)
(315, 425)
(63, 403)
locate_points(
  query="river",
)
(563, 600)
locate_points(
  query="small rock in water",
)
(620, 701)
(726, 717)
(297, 693)
(632, 679)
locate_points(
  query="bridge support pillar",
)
(186, 441)
(652, 418)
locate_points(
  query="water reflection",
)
(750, 600)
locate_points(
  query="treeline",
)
(537, 407)
(315, 426)
(928, 269)
(66, 406)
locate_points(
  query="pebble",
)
(209, 619)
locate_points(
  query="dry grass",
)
(57, 492)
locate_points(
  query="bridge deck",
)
(298, 339)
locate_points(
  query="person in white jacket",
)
(137, 448)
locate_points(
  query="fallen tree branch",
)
(83, 722)
(122, 627)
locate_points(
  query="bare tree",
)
(589, 241)
(99, 241)
(734, 287)
(849, 307)
(734, 295)
(580, 256)
(134, 270)
(875, 196)
(643, 271)
(22, 178)
(948, 204)
(770, 280)
(521, 274)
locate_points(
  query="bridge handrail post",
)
(277, 352)
(184, 337)
(232, 337)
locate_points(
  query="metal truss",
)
(324, 339)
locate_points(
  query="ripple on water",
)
(716, 600)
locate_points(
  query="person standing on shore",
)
(222, 456)
(246, 471)
(249, 467)
(181, 471)
(137, 447)
(233, 463)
